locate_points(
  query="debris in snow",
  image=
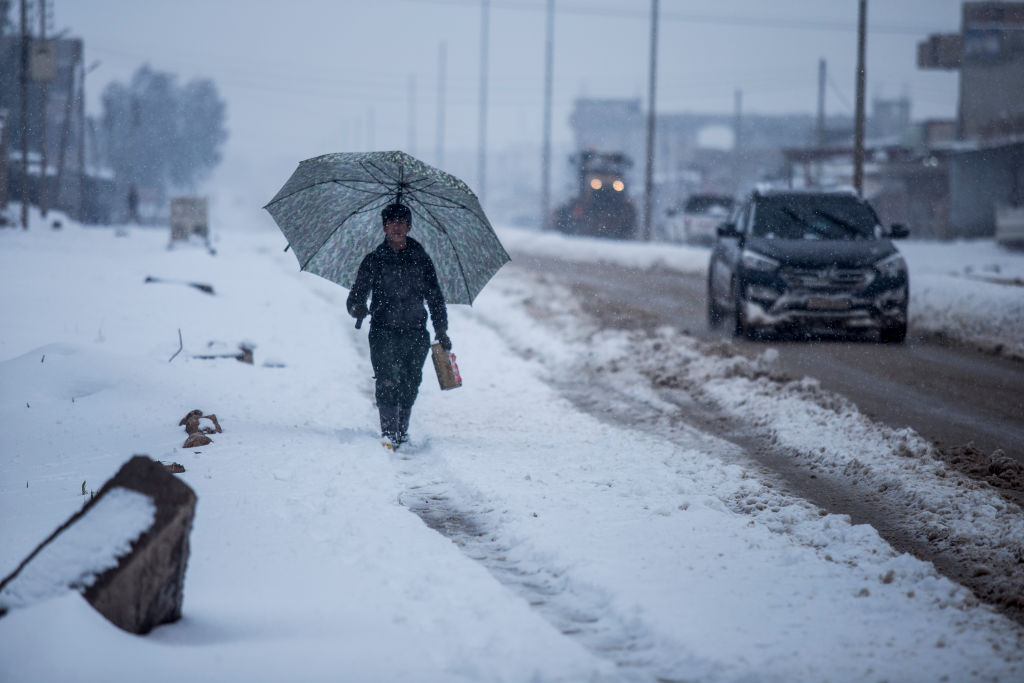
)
(244, 354)
(201, 286)
(197, 432)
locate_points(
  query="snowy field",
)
(600, 553)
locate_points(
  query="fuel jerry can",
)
(448, 376)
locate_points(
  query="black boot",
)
(389, 423)
(403, 424)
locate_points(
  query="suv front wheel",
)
(893, 334)
(715, 314)
(740, 326)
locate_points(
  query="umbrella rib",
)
(344, 183)
(340, 181)
(338, 227)
(454, 203)
(275, 200)
(368, 165)
(458, 257)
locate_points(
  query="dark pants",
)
(397, 357)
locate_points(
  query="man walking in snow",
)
(399, 276)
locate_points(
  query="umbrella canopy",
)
(329, 210)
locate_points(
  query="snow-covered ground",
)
(586, 551)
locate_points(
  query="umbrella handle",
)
(359, 323)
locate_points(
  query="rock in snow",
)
(126, 550)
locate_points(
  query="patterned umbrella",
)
(329, 210)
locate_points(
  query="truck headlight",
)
(758, 262)
(891, 267)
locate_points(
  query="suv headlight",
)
(891, 267)
(758, 262)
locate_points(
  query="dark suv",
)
(814, 262)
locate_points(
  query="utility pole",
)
(24, 115)
(44, 177)
(858, 122)
(819, 133)
(442, 58)
(737, 136)
(649, 175)
(412, 114)
(545, 171)
(81, 139)
(481, 164)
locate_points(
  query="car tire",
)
(740, 327)
(715, 315)
(893, 334)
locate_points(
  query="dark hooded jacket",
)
(399, 281)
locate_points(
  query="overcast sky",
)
(306, 77)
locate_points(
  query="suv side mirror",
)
(727, 230)
(899, 231)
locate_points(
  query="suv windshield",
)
(814, 217)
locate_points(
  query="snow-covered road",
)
(583, 550)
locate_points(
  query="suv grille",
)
(827, 278)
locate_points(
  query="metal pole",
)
(24, 115)
(545, 171)
(81, 140)
(442, 58)
(412, 114)
(737, 136)
(819, 133)
(649, 176)
(858, 124)
(481, 164)
(44, 177)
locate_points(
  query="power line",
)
(695, 18)
(840, 95)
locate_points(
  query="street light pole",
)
(24, 115)
(649, 176)
(545, 171)
(481, 166)
(44, 177)
(858, 123)
(442, 59)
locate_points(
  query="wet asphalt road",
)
(950, 395)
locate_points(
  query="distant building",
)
(890, 118)
(56, 115)
(989, 53)
(983, 167)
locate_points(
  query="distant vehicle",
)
(814, 262)
(696, 220)
(601, 207)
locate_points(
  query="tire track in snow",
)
(576, 609)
